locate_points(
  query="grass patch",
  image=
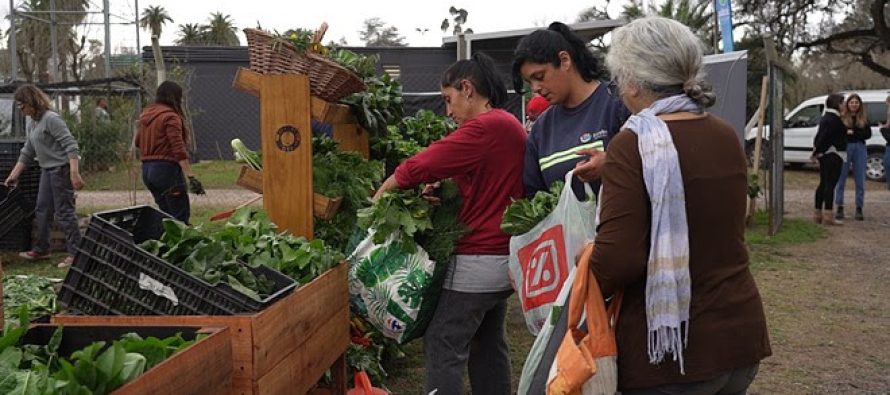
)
(793, 231)
(13, 265)
(214, 174)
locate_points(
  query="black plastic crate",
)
(111, 274)
(18, 239)
(14, 210)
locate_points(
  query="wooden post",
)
(287, 152)
(758, 144)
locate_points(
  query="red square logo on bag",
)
(544, 268)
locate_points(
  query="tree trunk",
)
(159, 59)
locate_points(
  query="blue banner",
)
(724, 14)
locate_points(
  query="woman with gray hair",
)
(672, 229)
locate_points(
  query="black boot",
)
(840, 213)
(859, 216)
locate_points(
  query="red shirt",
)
(484, 157)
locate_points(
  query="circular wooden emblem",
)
(287, 138)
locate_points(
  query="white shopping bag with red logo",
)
(540, 260)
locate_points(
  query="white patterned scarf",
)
(668, 286)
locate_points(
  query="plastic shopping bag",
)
(536, 354)
(586, 362)
(540, 259)
(395, 290)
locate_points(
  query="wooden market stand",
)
(288, 347)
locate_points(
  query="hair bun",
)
(700, 91)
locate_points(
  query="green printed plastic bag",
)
(395, 290)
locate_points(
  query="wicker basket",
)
(327, 80)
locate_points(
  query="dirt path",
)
(113, 199)
(828, 304)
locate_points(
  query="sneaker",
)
(33, 255)
(859, 216)
(66, 262)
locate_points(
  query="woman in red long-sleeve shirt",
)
(484, 158)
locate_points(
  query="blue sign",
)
(724, 14)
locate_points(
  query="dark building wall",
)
(223, 113)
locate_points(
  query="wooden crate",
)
(205, 367)
(323, 207)
(284, 349)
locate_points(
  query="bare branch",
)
(837, 37)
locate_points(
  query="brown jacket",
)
(161, 135)
(727, 327)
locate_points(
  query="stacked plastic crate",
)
(17, 206)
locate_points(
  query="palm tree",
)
(221, 30)
(154, 18)
(190, 34)
(696, 14)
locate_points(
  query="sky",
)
(345, 17)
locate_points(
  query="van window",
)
(807, 117)
(877, 113)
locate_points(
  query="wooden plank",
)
(323, 207)
(203, 368)
(250, 179)
(299, 372)
(333, 113)
(352, 138)
(339, 376)
(290, 323)
(247, 81)
(286, 136)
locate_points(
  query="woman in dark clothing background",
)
(829, 149)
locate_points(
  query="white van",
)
(802, 122)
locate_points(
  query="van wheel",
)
(765, 153)
(874, 166)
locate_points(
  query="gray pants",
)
(733, 382)
(55, 199)
(468, 330)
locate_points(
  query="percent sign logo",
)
(544, 268)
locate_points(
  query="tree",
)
(864, 35)
(221, 31)
(459, 18)
(33, 48)
(376, 33)
(154, 18)
(190, 34)
(696, 14)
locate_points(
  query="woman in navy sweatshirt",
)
(829, 149)
(484, 158)
(583, 116)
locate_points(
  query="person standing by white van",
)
(885, 131)
(858, 130)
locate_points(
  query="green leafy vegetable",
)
(402, 211)
(245, 155)
(524, 214)
(207, 258)
(35, 292)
